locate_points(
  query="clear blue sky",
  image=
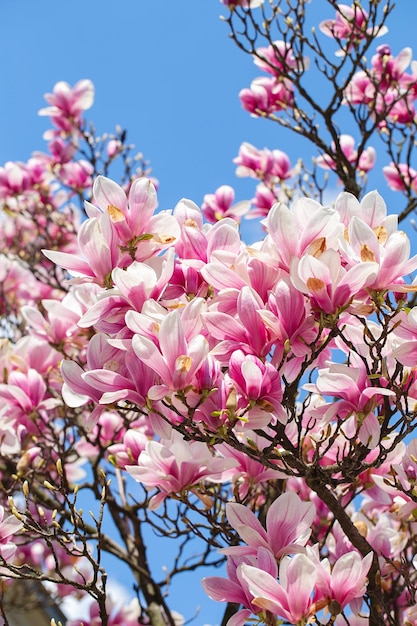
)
(166, 71)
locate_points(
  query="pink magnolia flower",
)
(386, 86)
(175, 360)
(346, 581)
(9, 526)
(265, 198)
(231, 270)
(242, 3)
(61, 152)
(262, 164)
(278, 59)
(99, 250)
(355, 395)
(267, 96)
(253, 162)
(14, 179)
(11, 433)
(371, 209)
(351, 24)
(118, 231)
(133, 287)
(76, 174)
(389, 251)
(68, 103)
(289, 320)
(292, 598)
(306, 228)
(175, 466)
(347, 144)
(128, 452)
(219, 204)
(288, 526)
(249, 475)
(235, 588)
(400, 176)
(128, 615)
(329, 286)
(245, 331)
(391, 69)
(405, 347)
(259, 383)
(26, 396)
(58, 324)
(199, 241)
(132, 217)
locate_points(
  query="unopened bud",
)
(16, 513)
(59, 467)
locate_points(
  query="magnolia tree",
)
(162, 375)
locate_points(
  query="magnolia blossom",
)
(290, 599)
(219, 204)
(400, 176)
(387, 88)
(128, 615)
(351, 23)
(345, 582)
(288, 526)
(259, 383)
(307, 228)
(175, 466)
(250, 475)
(262, 164)
(242, 3)
(9, 526)
(235, 588)
(355, 396)
(67, 105)
(347, 145)
(277, 59)
(266, 96)
(175, 360)
(119, 231)
(14, 179)
(330, 287)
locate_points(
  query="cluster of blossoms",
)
(176, 347)
(306, 585)
(40, 200)
(39, 327)
(350, 27)
(274, 93)
(385, 89)
(347, 145)
(267, 388)
(271, 167)
(205, 336)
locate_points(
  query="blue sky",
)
(167, 72)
